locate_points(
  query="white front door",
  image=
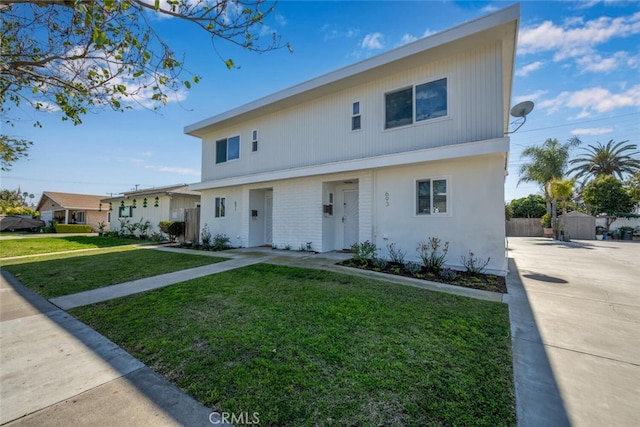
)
(350, 218)
(268, 219)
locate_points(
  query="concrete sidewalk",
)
(575, 321)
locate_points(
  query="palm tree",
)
(562, 189)
(548, 161)
(611, 159)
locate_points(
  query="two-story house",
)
(399, 147)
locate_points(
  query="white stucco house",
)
(397, 148)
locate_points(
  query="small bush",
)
(413, 268)
(431, 255)
(448, 274)
(220, 242)
(205, 237)
(379, 263)
(157, 237)
(364, 252)
(396, 255)
(474, 265)
(73, 228)
(172, 228)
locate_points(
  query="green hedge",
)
(73, 228)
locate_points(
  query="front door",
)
(350, 218)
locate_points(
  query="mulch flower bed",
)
(486, 282)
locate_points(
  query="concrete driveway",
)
(575, 313)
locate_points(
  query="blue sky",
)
(578, 61)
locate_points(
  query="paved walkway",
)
(575, 320)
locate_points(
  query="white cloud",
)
(529, 68)
(176, 170)
(281, 20)
(597, 64)
(591, 131)
(428, 32)
(331, 32)
(372, 41)
(408, 38)
(533, 96)
(590, 100)
(575, 37)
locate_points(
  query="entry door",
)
(268, 219)
(350, 218)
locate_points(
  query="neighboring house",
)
(152, 204)
(394, 149)
(71, 208)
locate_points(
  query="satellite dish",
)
(520, 112)
(522, 109)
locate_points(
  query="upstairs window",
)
(125, 212)
(227, 149)
(254, 141)
(355, 117)
(432, 197)
(417, 103)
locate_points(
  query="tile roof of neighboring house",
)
(71, 201)
(178, 189)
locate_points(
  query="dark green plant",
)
(473, 264)
(364, 252)
(447, 274)
(205, 237)
(172, 228)
(396, 255)
(545, 221)
(221, 242)
(413, 268)
(379, 263)
(532, 206)
(606, 194)
(431, 253)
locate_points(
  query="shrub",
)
(545, 221)
(447, 274)
(413, 267)
(73, 228)
(172, 228)
(157, 237)
(220, 242)
(379, 263)
(396, 255)
(474, 265)
(431, 255)
(205, 237)
(364, 252)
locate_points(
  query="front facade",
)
(395, 149)
(71, 208)
(152, 204)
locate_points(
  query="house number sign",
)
(386, 198)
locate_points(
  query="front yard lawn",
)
(41, 245)
(68, 274)
(305, 347)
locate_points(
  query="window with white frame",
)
(227, 149)
(356, 121)
(416, 103)
(221, 210)
(432, 197)
(254, 140)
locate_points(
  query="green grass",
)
(59, 275)
(305, 347)
(41, 245)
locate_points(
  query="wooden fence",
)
(524, 227)
(191, 224)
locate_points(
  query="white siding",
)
(319, 132)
